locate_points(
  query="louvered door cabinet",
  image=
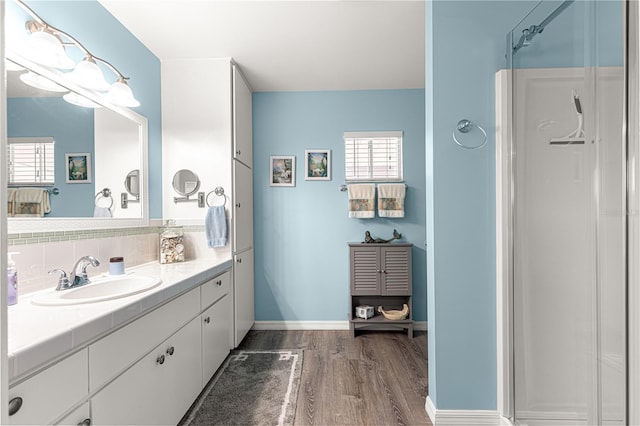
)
(380, 275)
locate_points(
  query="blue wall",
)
(301, 233)
(37, 117)
(90, 23)
(465, 46)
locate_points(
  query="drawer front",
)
(47, 395)
(214, 289)
(114, 353)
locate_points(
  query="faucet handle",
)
(63, 281)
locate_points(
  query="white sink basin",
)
(100, 289)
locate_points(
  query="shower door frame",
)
(505, 191)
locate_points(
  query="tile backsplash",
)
(41, 252)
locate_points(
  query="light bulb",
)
(46, 49)
(120, 94)
(88, 75)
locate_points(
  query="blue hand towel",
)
(215, 226)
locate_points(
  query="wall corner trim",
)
(463, 417)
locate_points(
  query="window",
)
(373, 156)
(30, 161)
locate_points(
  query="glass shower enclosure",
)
(563, 186)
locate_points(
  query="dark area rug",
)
(250, 388)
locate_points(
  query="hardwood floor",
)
(378, 378)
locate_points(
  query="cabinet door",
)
(243, 207)
(365, 271)
(79, 417)
(243, 294)
(242, 120)
(396, 271)
(217, 328)
(159, 388)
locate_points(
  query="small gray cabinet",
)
(380, 275)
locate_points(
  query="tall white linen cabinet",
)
(207, 128)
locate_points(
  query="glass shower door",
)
(569, 235)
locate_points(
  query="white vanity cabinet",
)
(159, 388)
(49, 394)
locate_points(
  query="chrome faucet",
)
(79, 275)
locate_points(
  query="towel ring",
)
(465, 126)
(219, 191)
(105, 193)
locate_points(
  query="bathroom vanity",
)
(140, 359)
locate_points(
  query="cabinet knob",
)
(219, 283)
(384, 272)
(238, 152)
(378, 271)
(207, 320)
(239, 260)
(170, 350)
(85, 422)
(160, 360)
(238, 205)
(14, 405)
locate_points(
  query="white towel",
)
(391, 199)
(31, 202)
(361, 200)
(11, 201)
(101, 212)
(215, 226)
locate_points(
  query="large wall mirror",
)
(93, 148)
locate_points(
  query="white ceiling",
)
(290, 45)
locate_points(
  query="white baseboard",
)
(462, 417)
(301, 325)
(317, 325)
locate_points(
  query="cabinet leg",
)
(410, 331)
(353, 330)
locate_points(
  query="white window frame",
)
(367, 138)
(43, 166)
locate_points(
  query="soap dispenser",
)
(12, 274)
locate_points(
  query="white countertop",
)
(39, 335)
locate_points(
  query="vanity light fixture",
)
(46, 47)
(40, 82)
(79, 100)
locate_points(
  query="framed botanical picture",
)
(283, 170)
(317, 164)
(78, 166)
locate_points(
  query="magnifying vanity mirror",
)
(132, 183)
(112, 142)
(186, 182)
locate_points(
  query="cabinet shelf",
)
(380, 275)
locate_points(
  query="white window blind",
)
(373, 156)
(31, 161)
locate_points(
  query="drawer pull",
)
(85, 422)
(238, 152)
(239, 260)
(219, 283)
(14, 405)
(170, 351)
(238, 205)
(207, 320)
(160, 360)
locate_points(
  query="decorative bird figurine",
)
(368, 239)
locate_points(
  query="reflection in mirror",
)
(186, 182)
(115, 136)
(132, 183)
